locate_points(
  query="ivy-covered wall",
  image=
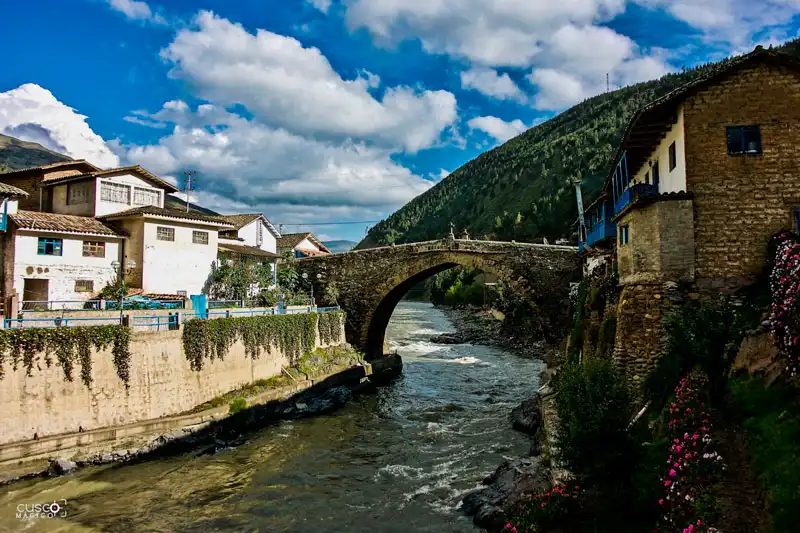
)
(71, 379)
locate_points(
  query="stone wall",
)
(162, 383)
(740, 201)
(661, 243)
(371, 282)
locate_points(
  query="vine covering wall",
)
(68, 345)
(785, 288)
(292, 334)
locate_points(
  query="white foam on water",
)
(404, 471)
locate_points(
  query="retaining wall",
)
(162, 383)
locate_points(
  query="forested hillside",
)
(524, 189)
(16, 154)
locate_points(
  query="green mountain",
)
(16, 154)
(339, 246)
(524, 189)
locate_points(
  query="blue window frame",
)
(50, 246)
(796, 213)
(624, 235)
(743, 140)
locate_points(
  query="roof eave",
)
(225, 225)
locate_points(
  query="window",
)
(624, 235)
(78, 193)
(656, 173)
(796, 218)
(743, 140)
(115, 193)
(164, 233)
(94, 249)
(673, 156)
(259, 233)
(50, 246)
(145, 196)
(200, 237)
(84, 285)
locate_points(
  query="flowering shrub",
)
(693, 465)
(546, 509)
(784, 283)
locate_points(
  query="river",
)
(397, 460)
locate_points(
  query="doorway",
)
(35, 293)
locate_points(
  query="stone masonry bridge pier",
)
(371, 282)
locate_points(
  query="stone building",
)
(701, 179)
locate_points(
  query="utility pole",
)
(188, 177)
(608, 86)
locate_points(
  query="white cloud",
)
(497, 128)
(137, 10)
(34, 114)
(731, 21)
(295, 88)
(322, 5)
(248, 163)
(491, 83)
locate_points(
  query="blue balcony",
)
(601, 231)
(632, 193)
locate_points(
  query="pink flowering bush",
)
(784, 282)
(546, 509)
(693, 465)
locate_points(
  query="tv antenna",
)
(189, 184)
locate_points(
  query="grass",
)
(772, 429)
(310, 365)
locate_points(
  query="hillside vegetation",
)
(524, 189)
(16, 154)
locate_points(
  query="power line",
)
(332, 223)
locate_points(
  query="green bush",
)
(705, 335)
(605, 339)
(594, 409)
(238, 404)
(772, 429)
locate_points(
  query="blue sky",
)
(335, 110)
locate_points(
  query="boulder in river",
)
(526, 417)
(505, 489)
(60, 467)
(448, 338)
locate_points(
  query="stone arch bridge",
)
(371, 282)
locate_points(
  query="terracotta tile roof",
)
(135, 169)
(170, 213)
(289, 240)
(9, 191)
(246, 250)
(35, 220)
(241, 220)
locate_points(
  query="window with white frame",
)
(115, 193)
(143, 196)
(78, 193)
(164, 233)
(200, 237)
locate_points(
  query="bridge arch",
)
(371, 282)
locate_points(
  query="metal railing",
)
(35, 306)
(169, 322)
(56, 322)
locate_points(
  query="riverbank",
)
(515, 478)
(323, 384)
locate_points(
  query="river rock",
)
(505, 488)
(60, 467)
(448, 338)
(526, 416)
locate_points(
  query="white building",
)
(252, 238)
(78, 219)
(301, 245)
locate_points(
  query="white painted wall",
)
(668, 181)
(169, 267)
(250, 235)
(305, 244)
(104, 208)
(62, 271)
(11, 206)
